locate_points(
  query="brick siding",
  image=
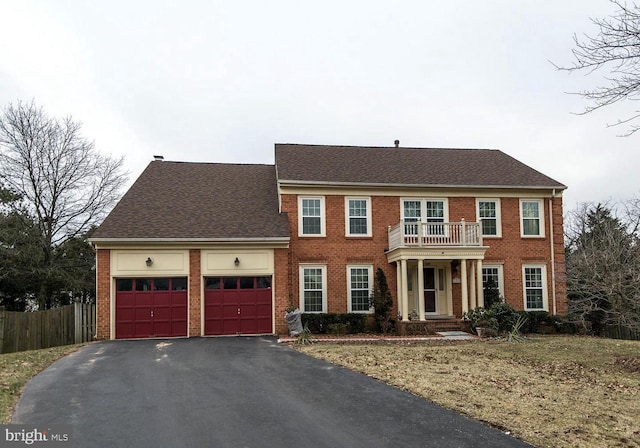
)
(336, 250)
(103, 294)
(195, 289)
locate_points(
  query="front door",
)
(429, 290)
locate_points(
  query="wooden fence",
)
(621, 333)
(71, 324)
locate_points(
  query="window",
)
(230, 283)
(143, 284)
(358, 216)
(124, 284)
(161, 284)
(359, 284)
(246, 283)
(531, 218)
(432, 211)
(492, 278)
(488, 212)
(212, 283)
(535, 281)
(311, 212)
(435, 214)
(435, 211)
(263, 282)
(312, 289)
(411, 211)
(179, 284)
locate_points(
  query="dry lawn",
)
(548, 391)
(16, 369)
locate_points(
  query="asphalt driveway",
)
(233, 392)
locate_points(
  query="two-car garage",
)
(157, 307)
(159, 294)
(190, 250)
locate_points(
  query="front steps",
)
(431, 326)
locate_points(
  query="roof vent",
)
(159, 158)
(397, 143)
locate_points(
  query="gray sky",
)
(222, 81)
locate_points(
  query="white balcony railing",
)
(426, 234)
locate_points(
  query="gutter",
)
(291, 182)
(284, 239)
(276, 242)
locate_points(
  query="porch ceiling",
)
(437, 253)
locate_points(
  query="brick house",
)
(210, 249)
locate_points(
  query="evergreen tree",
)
(382, 302)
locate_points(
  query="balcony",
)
(410, 234)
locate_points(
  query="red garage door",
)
(237, 305)
(151, 307)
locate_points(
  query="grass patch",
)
(548, 391)
(16, 369)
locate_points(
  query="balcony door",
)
(430, 290)
(431, 213)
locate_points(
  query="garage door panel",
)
(143, 328)
(142, 314)
(255, 325)
(150, 308)
(143, 299)
(241, 306)
(161, 299)
(125, 329)
(161, 313)
(162, 329)
(179, 313)
(213, 326)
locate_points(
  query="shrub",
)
(345, 323)
(480, 317)
(501, 317)
(505, 315)
(535, 319)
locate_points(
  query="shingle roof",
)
(177, 200)
(406, 166)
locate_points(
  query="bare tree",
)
(616, 49)
(603, 266)
(63, 182)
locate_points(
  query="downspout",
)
(95, 335)
(553, 255)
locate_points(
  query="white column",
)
(463, 285)
(421, 289)
(472, 285)
(405, 298)
(399, 286)
(479, 280)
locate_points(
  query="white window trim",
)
(324, 286)
(358, 266)
(500, 276)
(540, 218)
(347, 227)
(423, 207)
(498, 216)
(545, 295)
(322, 217)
